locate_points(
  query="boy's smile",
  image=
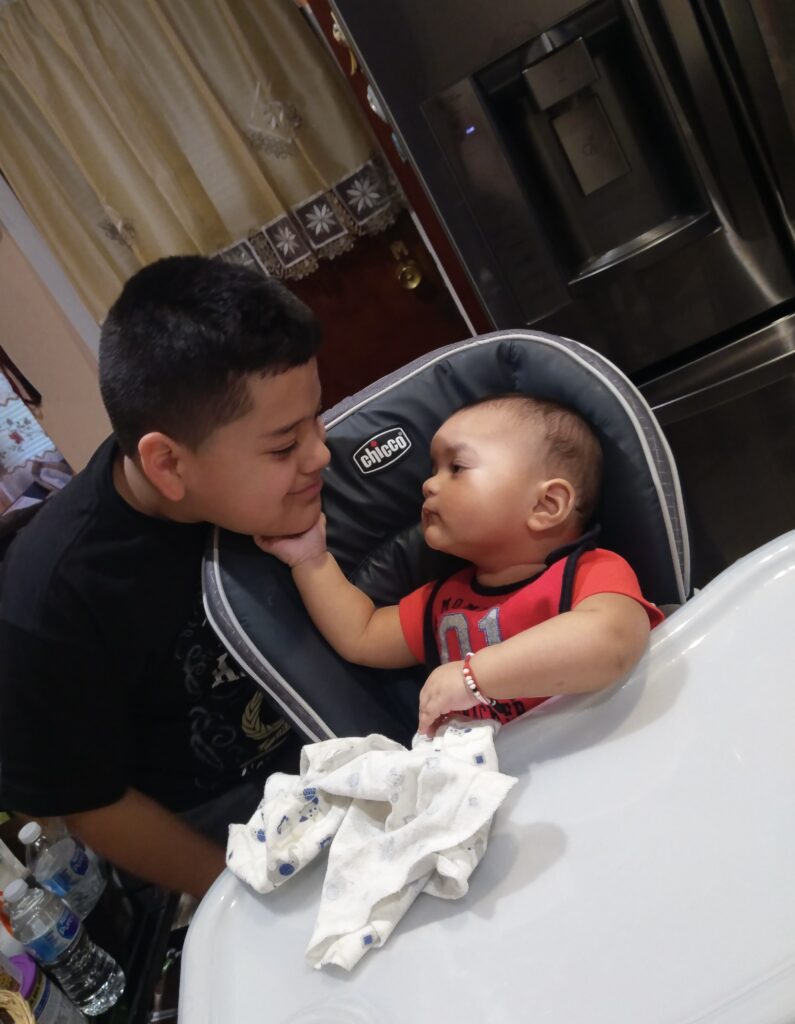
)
(310, 492)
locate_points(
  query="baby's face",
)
(488, 469)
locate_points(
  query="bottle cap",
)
(15, 890)
(29, 833)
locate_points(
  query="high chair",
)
(372, 495)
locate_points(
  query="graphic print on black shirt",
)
(229, 728)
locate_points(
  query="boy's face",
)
(487, 472)
(261, 473)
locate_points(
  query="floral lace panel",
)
(323, 226)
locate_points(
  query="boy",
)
(119, 709)
(515, 482)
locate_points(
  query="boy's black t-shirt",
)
(110, 676)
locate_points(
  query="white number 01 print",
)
(456, 622)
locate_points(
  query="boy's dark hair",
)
(181, 339)
(573, 450)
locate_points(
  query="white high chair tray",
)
(641, 872)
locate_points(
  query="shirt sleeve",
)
(63, 726)
(411, 610)
(605, 572)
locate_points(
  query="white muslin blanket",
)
(397, 822)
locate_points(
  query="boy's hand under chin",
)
(444, 692)
(299, 547)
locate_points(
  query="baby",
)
(539, 611)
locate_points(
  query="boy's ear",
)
(162, 464)
(554, 504)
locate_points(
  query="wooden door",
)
(372, 321)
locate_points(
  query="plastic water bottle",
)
(64, 866)
(49, 930)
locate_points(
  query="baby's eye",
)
(456, 468)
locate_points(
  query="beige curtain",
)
(134, 129)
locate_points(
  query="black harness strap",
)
(586, 543)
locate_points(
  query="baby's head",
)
(513, 477)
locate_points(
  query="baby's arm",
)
(585, 649)
(345, 615)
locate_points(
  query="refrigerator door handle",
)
(689, 81)
(765, 115)
(735, 370)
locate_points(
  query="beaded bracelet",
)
(472, 685)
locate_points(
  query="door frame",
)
(321, 16)
(49, 270)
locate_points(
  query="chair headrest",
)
(374, 509)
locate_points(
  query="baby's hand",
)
(299, 547)
(444, 691)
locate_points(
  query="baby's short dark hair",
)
(573, 450)
(183, 336)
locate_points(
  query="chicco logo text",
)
(382, 450)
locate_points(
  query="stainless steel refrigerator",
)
(623, 172)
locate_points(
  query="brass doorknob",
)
(408, 272)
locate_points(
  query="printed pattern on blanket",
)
(396, 822)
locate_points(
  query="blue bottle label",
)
(53, 943)
(79, 861)
(62, 881)
(59, 882)
(67, 925)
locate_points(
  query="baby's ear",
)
(553, 505)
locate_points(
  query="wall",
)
(47, 349)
